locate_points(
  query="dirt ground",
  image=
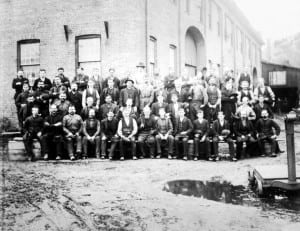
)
(103, 195)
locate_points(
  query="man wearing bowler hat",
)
(129, 92)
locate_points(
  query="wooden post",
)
(290, 142)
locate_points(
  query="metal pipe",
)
(290, 142)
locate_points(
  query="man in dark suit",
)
(201, 141)
(261, 105)
(264, 128)
(109, 127)
(221, 132)
(44, 79)
(157, 105)
(244, 131)
(112, 91)
(173, 108)
(182, 130)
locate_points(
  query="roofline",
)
(233, 8)
(278, 64)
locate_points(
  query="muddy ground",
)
(103, 195)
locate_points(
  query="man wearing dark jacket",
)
(244, 131)
(264, 128)
(182, 131)
(52, 133)
(91, 132)
(147, 130)
(75, 97)
(33, 127)
(109, 127)
(221, 132)
(44, 79)
(18, 82)
(112, 91)
(201, 141)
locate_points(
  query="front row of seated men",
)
(151, 134)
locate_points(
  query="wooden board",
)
(274, 172)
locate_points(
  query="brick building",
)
(121, 33)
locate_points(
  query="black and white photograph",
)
(150, 115)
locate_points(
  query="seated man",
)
(264, 128)
(129, 107)
(261, 105)
(164, 130)
(89, 105)
(33, 127)
(201, 141)
(109, 128)
(91, 132)
(127, 129)
(53, 132)
(213, 100)
(72, 125)
(244, 131)
(147, 129)
(183, 129)
(62, 103)
(112, 91)
(221, 132)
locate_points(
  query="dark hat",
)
(128, 79)
(140, 64)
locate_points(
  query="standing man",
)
(183, 129)
(112, 91)
(91, 132)
(147, 130)
(17, 83)
(72, 125)
(21, 102)
(81, 79)
(157, 105)
(52, 134)
(214, 100)
(108, 106)
(127, 129)
(112, 76)
(130, 92)
(44, 79)
(62, 104)
(75, 97)
(33, 127)
(109, 128)
(64, 80)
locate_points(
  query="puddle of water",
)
(225, 192)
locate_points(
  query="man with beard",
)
(53, 132)
(75, 97)
(89, 106)
(109, 127)
(72, 125)
(265, 91)
(91, 132)
(229, 98)
(147, 130)
(261, 105)
(127, 129)
(221, 132)
(265, 128)
(244, 131)
(33, 127)
(46, 82)
(62, 103)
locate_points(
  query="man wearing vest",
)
(164, 130)
(183, 129)
(91, 132)
(147, 130)
(214, 100)
(109, 128)
(127, 129)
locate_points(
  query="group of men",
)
(154, 117)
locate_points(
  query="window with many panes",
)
(88, 53)
(29, 57)
(152, 55)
